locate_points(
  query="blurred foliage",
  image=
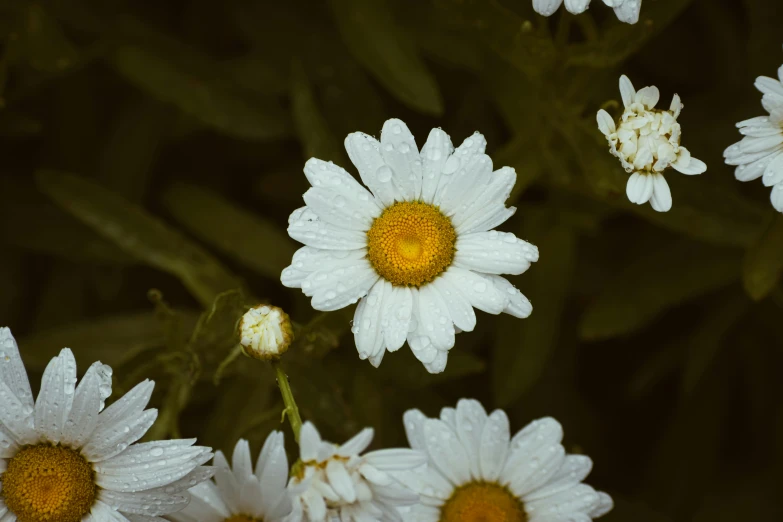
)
(152, 152)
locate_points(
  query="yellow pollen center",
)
(242, 518)
(48, 483)
(411, 243)
(482, 502)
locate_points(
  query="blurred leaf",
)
(403, 369)
(133, 145)
(521, 351)
(311, 126)
(42, 42)
(764, 262)
(18, 125)
(138, 233)
(174, 73)
(112, 340)
(622, 40)
(647, 287)
(382, 47)
(446, 43)
(256, 73)
(660, 365)
(706, 341)
(251, 239)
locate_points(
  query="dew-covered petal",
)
(493, 446)
(397, 312)
(488, 200)
(434, 319)
(776, 197)
(577, 6)
(337, 288)
(472, 175)
(12, 371)
(111, 439)
(446, 452)
(773, 173)
(365, 153)
(479, 290)
(399, 150)
(55, 399)
(307, 260)
(494, 252)
(357, 444)
(573, 470)
(367, 330)
(307, 227)
(434, 154)
(336, 180)
(459, 306)
(94, 388)
(518, 305)
(470, 420)
(546, 7)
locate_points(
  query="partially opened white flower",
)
(760, 153)
(548, 7)
(647, 142)
(419, 244)
(244, 494)
(64, 458)
(337, 483)
(477, 472)
(626, 10)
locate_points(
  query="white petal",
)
(335, 209)
(573, 470)
(309, 442)
(241, 464)
(108, 441)
(471, 418)
(533, 461)
(365, 153)
(579, 499)
(493, 448)
(413, 421)
(494, 215)
(395, 459)
(776, 196)
(438, 365)
(357, 444)
(434, 319)
(489, 200)
(639, 188)
(546, 7)
(434, 154)
(446, 452)
(130, 404)
(605, 123)
(773, 174)
(100, 512)
(400, 152)
(307, 260)
(327, 175)
(8, 446)
(494, 252)
(472, 175)
(337, 288)
(626, 91)
(518, 305)
(577, 6)
(750, 144)
(307, 227)
(368, 333)
(150, 503)
(16, 418)
(462, 157)
(648, 96)
(94, 388)
(769, 85)
(55, 399)
(628, 11)
(605, 505)
(661, 199)
(459, 307)
(340, 481)
(479, 290)
(12, 371)
(420, 344)
(397, 310)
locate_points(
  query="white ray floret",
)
(477, 471)
(548, 7)
(626, 10)
(646, 140)
(64, 457)
(337, 483)
(244, 493)
(760, 152)
(417, 250)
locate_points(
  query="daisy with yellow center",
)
(245, 494)
(417, 250)
(477, 472)
(63, 458)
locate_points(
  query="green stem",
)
(291, 410)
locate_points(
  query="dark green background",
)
(160, 145)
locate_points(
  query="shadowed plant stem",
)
(291, 410)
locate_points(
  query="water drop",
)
(384, 173)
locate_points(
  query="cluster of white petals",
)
(647, 141)
(626, 10)
(760, 153)
(338, 483)
(255, 494)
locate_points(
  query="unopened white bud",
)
(265, 332)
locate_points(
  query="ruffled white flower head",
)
(245, 494)
(64, 458)
(265, 332)
(647, 142)
(760, 153)
(626, 10)
(477, 471)
(338, 483)
(418, 248)
(548, 7)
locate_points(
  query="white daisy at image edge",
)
(477, 472)
(646, 140)
(337, 483)
(418, 248)
(65, 458)
(626, 10)
(760, 152)
(244, 494)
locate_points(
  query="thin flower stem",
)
(291, 410)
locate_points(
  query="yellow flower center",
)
(482, 502)
(48, 483)
(411, 243)
(242, 518)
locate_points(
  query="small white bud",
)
(265, 332)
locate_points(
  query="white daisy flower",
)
(626, 10)
(647, 142)
(245, 495)
(63, 459)
(548, 7)
(419, 244)
(336, 483)
(476, 471)
(760, 153)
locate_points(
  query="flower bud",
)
(265, 332)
